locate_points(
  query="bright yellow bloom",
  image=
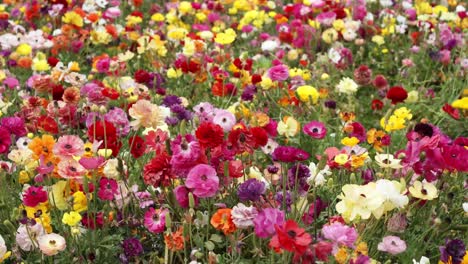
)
(379, 40)
(341, 158)
(174, 73)
(227, 37)
(307, 94)
(329, 35)
(80, 202)
(73, 18)
(185, 7)
(461, 103)
(158, 17)
(24, 49)
(350, 141)
(71, 219)
(58, 196)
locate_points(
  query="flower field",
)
(234, 131)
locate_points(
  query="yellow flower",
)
(73, 18)
(40, 64)
(266, 83)
(185, 7)
(58, 196)
(24, 49)
(288, 127)
(307, 93)
(350, 141)
(461, 103)
(341, 159)
(133, 20)
(413, 97)
(338, 25)
(174, 73)
(379, 40)
(423, 190)
(80, 202)
(393, 123)
(329, 35)
(227, 37)
(158, 17)
(341, 255)
(71, 219)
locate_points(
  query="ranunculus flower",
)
(315, 129)
(392, 245)
(51, 244)
(202, 179)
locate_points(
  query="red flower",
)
(256, 78)
(397, 94)
(105, 132)
(380, 82)
(47, 124)
(138, 146)
(453, 112)
(142, 76)
(209, 135)
(158, 171)
(377, 104)
(110, 93)
(34, 196)
(363, 75)
(291, 237)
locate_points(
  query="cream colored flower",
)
(347, 86)
(423, 190)
(387, 161)
(51, 244)
(147, 114)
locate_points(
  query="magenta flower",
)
(34, 196)
(278, 73)
(392, 245)
(69, 146)
(340, 235)
(315, 129)
(103, 65)
(203, 181)
(5, 140)
(155, 220)
(182, 196)
(266, 220)
(107, 189)
(289, 154)
(14, 125)
(91, 163)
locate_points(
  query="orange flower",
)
(24, 62)
(222, 220)
(42, 146)
(175, 240)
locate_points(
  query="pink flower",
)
(340, 235)
(71, 169)
(68, 146)
(34, 196)
(225, 119)
(26, 236)
(155, 220)
(107, 189)
(278, 73)
(51, 244)
(144, 199)
(5, 140)
(392, 245)
(202, 179)
(326, 18)
(182, 196)
(315, 129)
(266, 220)
(243, 216)
(103, 65)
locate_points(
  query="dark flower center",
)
(292, 233)
(204, 177)
(68, 146)
(424, 191)
(72, 169)
(315, 130)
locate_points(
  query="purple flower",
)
(330, 104)
(340, 235)
(297, 177)
(15, 125)
(118, 117)
(397, 223)
(289, 200)
(278, 73)
(251, 190)
(289, 154)
(132, 247)
(203, 181)
(392, 245)
(367, 175)
(266, 220)
(454, 248)
(171, 100)
(315, 129)
(249, 92)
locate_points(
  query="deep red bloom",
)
(107, 189)
(453, 112)
(397, 94)
(256, 78)
(377, 104)
(260, 136)
(52, 61)
(236, 169)
(291, 237)
(91, 221)
(209, 135)
(5, 140)
(142, 76)
(34, 196)
(110, 93)
(158, 171)
(380, 82)
(138, 146)
(47, 124)
(105, 131)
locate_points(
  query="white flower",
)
(270, 146)
(465, 207)
(243, 216)
(26, 236)
(317, 178)
(334, 55)
(391, 191)
(111, 169)
(3, 249)
(387, 161)
(347, 86)
(424, 260)
(269, 45)
(51, 244)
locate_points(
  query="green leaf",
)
(209, 245)
(216, 238)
